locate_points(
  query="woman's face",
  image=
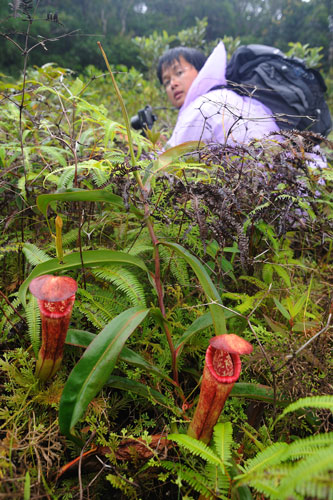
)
(177, 79)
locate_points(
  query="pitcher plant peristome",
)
(221, 371)
(56, 296)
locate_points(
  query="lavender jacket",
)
(219, 116)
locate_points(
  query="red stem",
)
(159, 289)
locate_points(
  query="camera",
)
(144, 119)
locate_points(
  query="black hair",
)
(193, 56)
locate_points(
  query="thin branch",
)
(290, 357)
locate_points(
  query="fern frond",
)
(95, 306)
(220, 483)
(197, 448)
(197, 482)
(125, 282)
(222, 439)
(319, 462)
(309, 445)
(178, 266)
(70, 237)
(320, 487)
(266, 487)
(8, 318)
(309, 402)
(67, 177)
(33, 319)
(272, 455)
(100, 175)
(98, 323)
(267, 481)
(34, 255)
(139, 248)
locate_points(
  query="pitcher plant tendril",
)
(221, 371)
(56, 296)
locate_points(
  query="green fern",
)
(91, 316)
(222, 439)
(100, 175)
(300, 469)
(320, 487)
(67, 177)
(34, 255)
(309, 402)
(125, 281)
(138, 248)
(8, 317)
(318, 463)
(215, 476)
(70, 237)
(178, 266)
(218, 482)
(272, 455)
(184, 473)
(197, 448)
(100, 313)
(308, 446)
(33, 319)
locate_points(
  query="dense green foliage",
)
(167, 250)
(115, 23)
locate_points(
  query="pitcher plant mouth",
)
(221, 371)
(56, 296)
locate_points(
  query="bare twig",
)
(290, 357)
(80, 462)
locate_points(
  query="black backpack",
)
(293, 92)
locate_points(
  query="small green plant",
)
(311, 55)
(302, 468)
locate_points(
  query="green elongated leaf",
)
(282, 309)
(257, 392)
(267, 273)
(27, 491)
(207, 285)
(96, 195)
(94, 368)
(79, 338)
(90, 258)
(299, 304)
(82, 338)
(124, 384)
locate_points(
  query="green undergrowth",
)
(182, 245)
